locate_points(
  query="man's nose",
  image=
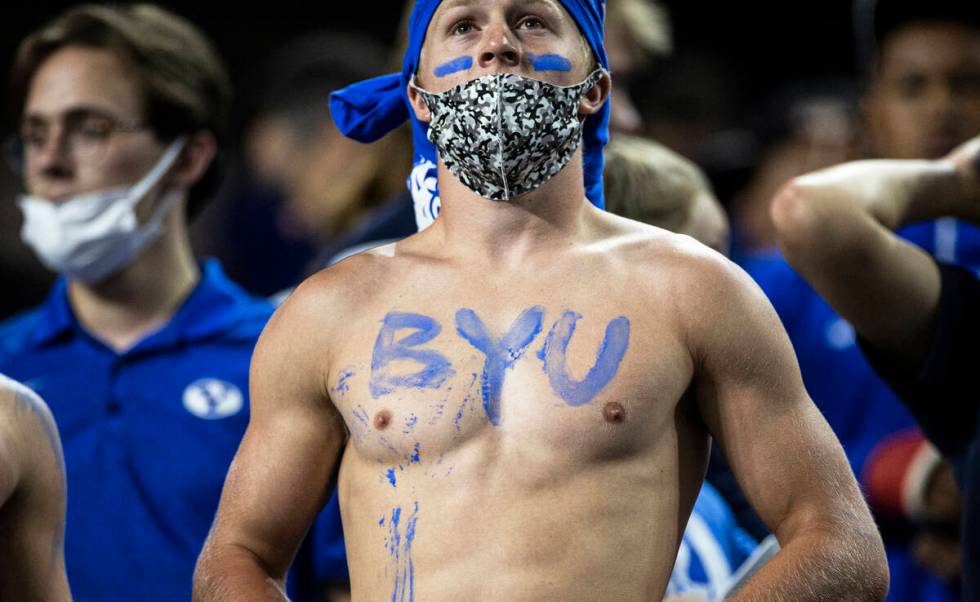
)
(942, 99)
(498, 46)
(53, 158)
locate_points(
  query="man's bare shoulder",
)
(327, 303)
(18, 404)
(703, 288)
(658, 254)
(25, 421)
(350, 283)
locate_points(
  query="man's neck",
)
(141, 298)
(510, 231)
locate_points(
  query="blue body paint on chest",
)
(436, 369)
(611, 352)
(343, 386)
(550, 62)
(457, 64)
(501, 354)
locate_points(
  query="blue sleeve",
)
(942, 392)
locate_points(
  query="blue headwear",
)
(368, 110)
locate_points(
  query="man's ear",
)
(194, 160)
(596, 96)
(419, 107)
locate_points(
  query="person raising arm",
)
(917, 319)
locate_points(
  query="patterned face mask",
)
(504, 135)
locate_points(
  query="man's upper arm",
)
(751, 396)
(281, 474)
(31, 454)
(32, 480)
(9, 467)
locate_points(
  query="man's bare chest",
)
(416, 384)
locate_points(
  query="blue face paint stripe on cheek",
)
(610, 355)
(550, 62)
(457, 64)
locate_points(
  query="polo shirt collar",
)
(57, 318)
(213, 307)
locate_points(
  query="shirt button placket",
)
(117, 393)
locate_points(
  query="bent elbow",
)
(877, 578)
(201, 583)
(871, 575)
(793, 215)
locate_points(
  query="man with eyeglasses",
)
(141, 352)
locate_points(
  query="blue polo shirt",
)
(858, 405)
(148, 436)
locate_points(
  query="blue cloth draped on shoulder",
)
(368, 110)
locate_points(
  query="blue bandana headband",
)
(368, 110)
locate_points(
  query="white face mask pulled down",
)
(92, 236)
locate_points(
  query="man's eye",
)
(967, 85)
(34, 138)
(531, 23)
(911, 87)
(462, 28)
(94, 129)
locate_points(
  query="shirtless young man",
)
(32, 499)
(519, 399)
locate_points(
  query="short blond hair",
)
(648, 182)
(646, 22)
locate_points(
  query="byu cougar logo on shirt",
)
(425, 193)
(211, 399)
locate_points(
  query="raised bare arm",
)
(284, 469)
(835, 226)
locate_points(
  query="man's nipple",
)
(382, 419)
(614, 412)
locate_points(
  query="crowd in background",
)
(694, 149)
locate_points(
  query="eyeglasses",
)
(84, 134)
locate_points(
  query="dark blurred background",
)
(710, 100)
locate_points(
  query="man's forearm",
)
(233, 574)
(822, 565)
(893, 193)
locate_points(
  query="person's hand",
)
(937, 545)
(942, 500)
(966, 158)
(938, 553)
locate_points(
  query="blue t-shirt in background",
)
(148, 436)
